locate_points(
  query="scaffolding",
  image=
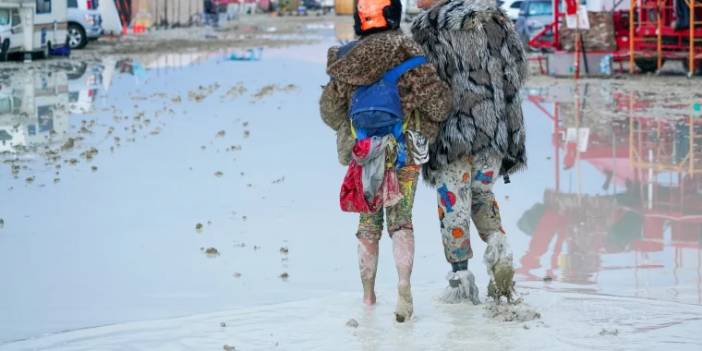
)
(647, 34)
(658, 34)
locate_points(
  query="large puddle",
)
(158, 186)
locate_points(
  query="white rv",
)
(32, 26)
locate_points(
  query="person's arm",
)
(431, 97)
(333, 105)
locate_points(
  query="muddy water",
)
(620, 210)
(167, 185)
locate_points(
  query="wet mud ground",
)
(188, 200)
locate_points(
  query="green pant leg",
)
(399, 216)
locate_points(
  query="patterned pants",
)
(465, 192)
(398, 216)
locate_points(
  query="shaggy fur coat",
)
(478, 53)
(420, 88)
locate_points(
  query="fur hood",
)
(476, 50)
(360, 64)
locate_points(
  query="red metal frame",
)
(648, 41)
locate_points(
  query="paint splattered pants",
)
(398, 216)
(465, 192)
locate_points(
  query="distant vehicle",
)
(534, 15)
(31, 26)
(327, 6)
(410, 9)
(511, 7)
(84, 22)
(312, 5)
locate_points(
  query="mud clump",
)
(202, 92)
(211, 252)
(284, 250)
(278, 181)
(518, 312)
(611, 332)
(270, 89)
(236, 91)
(89, 154)
(352, 323)
(284, 276)
(69, 144)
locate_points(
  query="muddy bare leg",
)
(368, 266)
(403, 252)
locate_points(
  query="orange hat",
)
(371, 14)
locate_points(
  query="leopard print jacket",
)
(422, 93)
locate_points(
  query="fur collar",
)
(452, 14)
(371, 57)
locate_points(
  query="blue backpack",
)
(376, 109)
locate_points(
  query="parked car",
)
(84, 22)
(31, 27)
(534, 15)
(327, 6)
(511, 7)
(411, 10)
(312, 5)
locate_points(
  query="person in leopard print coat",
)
(476, 50)
(423, 96)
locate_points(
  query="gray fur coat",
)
(478, 53)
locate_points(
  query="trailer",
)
(645, 33)
(32, 26)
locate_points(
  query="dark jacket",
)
(477, 51)
(420, 89)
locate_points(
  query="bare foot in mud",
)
(369, 299)
(405, 308)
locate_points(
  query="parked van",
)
(32, 26)
(84, 22)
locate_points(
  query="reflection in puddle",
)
(36, 105)
(624, 213)
(33, 110)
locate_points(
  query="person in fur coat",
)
(425, 103)
(476, 50)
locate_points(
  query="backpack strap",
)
(396, 72)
